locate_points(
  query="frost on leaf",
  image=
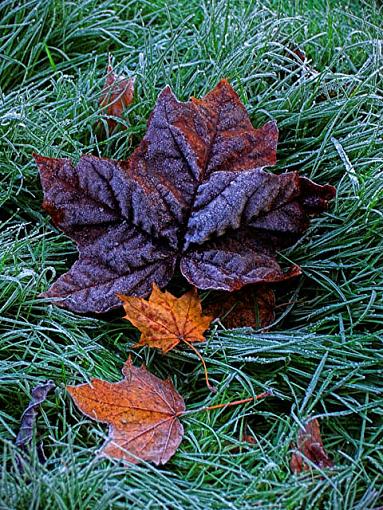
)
(193, 195)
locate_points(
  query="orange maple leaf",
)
(141, 410)
(143, 414)
(165, 320)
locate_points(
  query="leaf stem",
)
(212, 388)
(229, 404)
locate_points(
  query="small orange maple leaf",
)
(165, 320)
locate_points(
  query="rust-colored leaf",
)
(116, 95)
(309, 447)
(249, 307)
(194, 195)
(165, 320)
(141, 411)
(247, 438)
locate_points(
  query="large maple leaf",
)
(194, 194)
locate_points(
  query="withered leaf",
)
(116, 95)
(165, 320)
(194, 195)
(28, 420)
(143, 414)
(252, 306)
(141, 410)
(39, 394)
(310, 447)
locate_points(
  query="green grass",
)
(323, 356)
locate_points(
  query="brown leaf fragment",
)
(165, 320)
(252, 306)
(247, 438)
(141, 411)
(116, 95)
(194, 194)
(309, 447)
(28, 418)
(298, 64)
(300, 54)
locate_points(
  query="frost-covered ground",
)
(322, 357)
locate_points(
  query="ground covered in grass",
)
(323, 355)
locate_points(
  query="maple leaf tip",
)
(39, 158)
(295, 270)
(330, 191)
(166, 91)
(53, 297)
(223, 82)
(273, 124)
(223, 86)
